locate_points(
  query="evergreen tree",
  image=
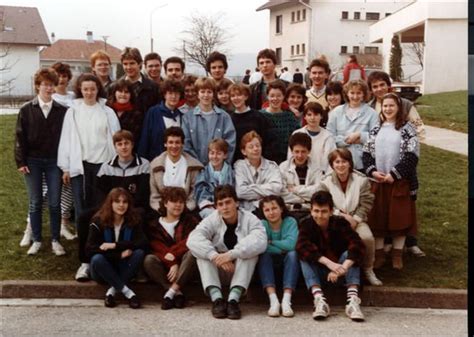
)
(396, 71)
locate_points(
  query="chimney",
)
(53, 37)
(90, 38)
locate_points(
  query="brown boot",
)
(397, 262)
(379, 258)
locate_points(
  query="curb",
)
(371, 296)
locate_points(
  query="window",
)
(371, 50)
(303, 49)
(303, 15)
(292, 50)
(387, 14)
(343, 49)
(355, 50)
(297, 49)
(345, 15)
(298, 16)
(292, 16)
(278, 55)
(279, 24)
(356, 15)
(372, 16)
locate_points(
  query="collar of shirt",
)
(45, 106)
(319, 92)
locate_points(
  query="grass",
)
(442, 213)
(445, 110)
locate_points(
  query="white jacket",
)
(250, 190)
(358, 198)
(321, 146)
(69, 151)
(302, 193)
(207, 239)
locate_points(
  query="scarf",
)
(122, 106)
(170, 114)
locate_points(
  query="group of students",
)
(207, 173)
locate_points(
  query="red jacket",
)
(352, 66)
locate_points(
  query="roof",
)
(77, 50)
(275, 3)
(22, 25)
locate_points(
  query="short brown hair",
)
(62, 69)
(120, 85)
(224, 85)
(361, 84)
(216, 56)
(278, 85)
(378, 76)
(174, 59)
(322, 63)
(223, 192)
(314, 107)
(267, 54)
(122, 135)
(205, 83)
(152, 56)
(173, 194)
(219, 144)
(47, 74)
(240, 88)
(344, 154)
(100, 54)
(171, 85)
(248, 137)
(300, 138)
(131, 54)
(189, 80)
(85, 78)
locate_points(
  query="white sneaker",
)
(27, 236)
(82, 273)
(372, 278)
(286, 309)
(66, 233)
(35, 247)
(274, 310)
(353, 309)
(321, 308)
(416, 251)
(58, 249)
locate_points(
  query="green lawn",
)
(445, 110)
(442, 212)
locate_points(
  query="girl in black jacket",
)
(116, 245)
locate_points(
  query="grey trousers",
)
(211, 275)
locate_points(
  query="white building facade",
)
(303, 30)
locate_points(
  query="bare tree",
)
(416, 52)
(6, 64)
(204, 35)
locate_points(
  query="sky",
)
(127, 23)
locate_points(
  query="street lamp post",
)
(151, 24)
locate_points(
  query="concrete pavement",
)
(90, 318)
(446, 139)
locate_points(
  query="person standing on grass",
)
(216, 172)
(379, 83)
(116, 246)
(246, 79)
(85, 143)
(170, 263)
(350, 123)
(226, 245)
(266, 61)
(37, 136)
(282, 232)
(330, 251)
(353, 200)
(207, 122)
(284, 121)
(319, 72)
(390, 157)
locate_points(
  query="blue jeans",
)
(84, 189)
(116, 273)
(291, 269)
(52, 173)
(316, 273)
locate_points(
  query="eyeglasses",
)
(47, 85)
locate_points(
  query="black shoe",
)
(219, 309)
(167, 303)
(233, 310)
(109, 301)
(179, 301)
(134, 302)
